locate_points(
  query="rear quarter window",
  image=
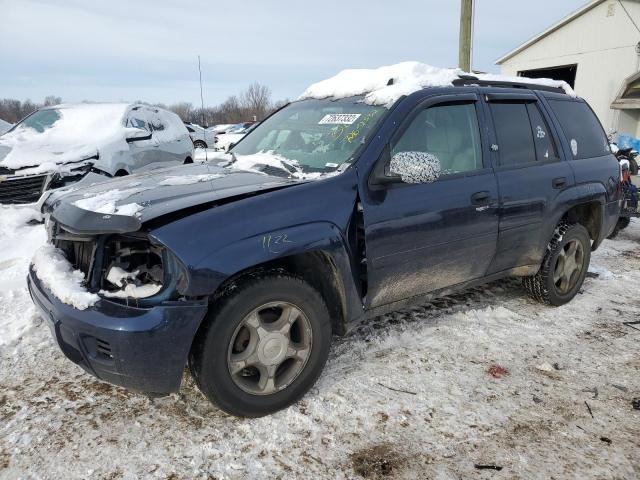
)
(581, 128)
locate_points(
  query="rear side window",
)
(581, 128)
(515, 137)
(545, 147)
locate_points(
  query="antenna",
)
(201, 97)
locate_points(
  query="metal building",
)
(596, 49)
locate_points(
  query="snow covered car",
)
(202, 137)
(4, 126)
(377, 190)
(227, 140)
(87, 143)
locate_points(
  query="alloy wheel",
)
(269, 348)
(569, 265)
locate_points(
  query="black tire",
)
(199, 144)
(633, 166)
(541, 286)
(188, 161)
(208, 360)
(623, 222)
(121, 173)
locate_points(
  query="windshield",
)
(40, 120)
(318, 135)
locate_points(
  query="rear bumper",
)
(142, 349)
(611, 215)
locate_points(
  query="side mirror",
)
(137, 134)
(415, 167)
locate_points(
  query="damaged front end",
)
(131, 268)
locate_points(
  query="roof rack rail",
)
(470, 80)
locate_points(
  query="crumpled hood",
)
(124, 204)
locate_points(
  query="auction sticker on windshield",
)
(339, 119)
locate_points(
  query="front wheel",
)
(563, 268)
(264, 346)
(199, 144)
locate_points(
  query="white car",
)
(201, 137)
(82, 144)
(233, 135)
(4, 126)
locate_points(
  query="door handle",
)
(480, 198)
(559, 182)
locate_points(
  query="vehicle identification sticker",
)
(339, 119)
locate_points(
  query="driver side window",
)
(450, 133)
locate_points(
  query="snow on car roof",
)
(385, 85)
(65, 133)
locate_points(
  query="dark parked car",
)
(246, 276)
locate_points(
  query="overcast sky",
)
(147, 50)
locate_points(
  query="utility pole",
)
(201, 97)
(466, 34)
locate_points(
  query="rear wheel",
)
(199, 144)
(633, 166)
(264, 347)
(564, 267)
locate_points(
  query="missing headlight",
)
(133, 269)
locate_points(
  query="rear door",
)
(531, 173)
(425, 237)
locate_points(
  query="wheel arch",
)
(584, 204)
(315, 252)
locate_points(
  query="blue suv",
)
(244, 267)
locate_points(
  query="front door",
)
(425, 237)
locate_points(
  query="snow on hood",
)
(59, 277)
(107, 202)
(81, 131)
(408, 77)
(174, 180)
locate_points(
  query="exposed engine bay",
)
(133, 269)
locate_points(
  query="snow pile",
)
(59, 277)
(189, 179)
(18, 241)
(385, 85)
(80, 132)
(105, 202)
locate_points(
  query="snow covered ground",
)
(484, 378)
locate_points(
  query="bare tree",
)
(52, 100)
(182, 109)
(256, 100)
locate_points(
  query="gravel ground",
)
(484, 384)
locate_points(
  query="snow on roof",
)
(78, 133)
(385, 85)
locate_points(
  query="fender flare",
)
(573, 197)
(206, 278)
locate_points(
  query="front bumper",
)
(142, 349)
